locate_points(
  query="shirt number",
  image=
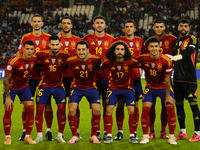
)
(52, 68)
(98, 50)
(120, 74)
(153, 72)
(83, 74)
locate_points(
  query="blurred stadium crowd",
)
(15, 18)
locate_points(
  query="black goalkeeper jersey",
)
(185, 69)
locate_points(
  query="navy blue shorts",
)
(23, 94)
(58, 94)
(113, 95)
(67, 85)
(76, 95)
(151, 94)
(138, 89)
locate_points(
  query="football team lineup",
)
(64, 65)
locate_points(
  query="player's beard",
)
(67, 31)
(55, 52)
(119, 56)
(183, 34)
(37, 29)
(100, 31)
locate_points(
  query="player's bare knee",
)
(109, 110)
(131, 110)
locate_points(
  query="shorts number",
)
(71, 92)
(153, 72)
(83, 74)
(52, 68)
(109, 93)
(25, 74)
(146, 90)
(39, 92)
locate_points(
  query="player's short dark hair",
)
(153, 39)
(66, 17)
(160, 20)
(29, 43)
(184, 21)
(82, 42)
(54, 37)
(99, 17)
(37, 15)
(111, 55)
(129, 21)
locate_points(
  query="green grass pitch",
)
(85, 130)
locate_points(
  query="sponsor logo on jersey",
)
(93, 43)
(99, 43)
(131, 44)
(90, 66)
(26, 66)
(83, 67)
(37, 42)
(9, 67)
(53, 60)
(21, 68)
(125, 68)
(59, 61)
(153, 65)
(113, 68)
(159, 67)
(76, 67)
(66, 43)
(47, 61)
(147, 65)
(119, 67)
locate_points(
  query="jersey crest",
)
(119, 68)
(66, 43)
(159, 67)
(131, 44)
(99, 43)
(26, 66)
(83, 67)
(125, 68)
(53, 60)
(37, 42)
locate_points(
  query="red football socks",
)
(29, 119)
(7, 120)
(95, 121)
(145, 119)
(73, 124)
(120, 118)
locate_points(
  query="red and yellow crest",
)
(166, 42)
(31, 65)
(159, 67)
(90, 66)
(137, 45)
(59, 61)
(106, 43)
(125, 68)
(44, 43)
(73, 44)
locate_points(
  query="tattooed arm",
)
(8, 100)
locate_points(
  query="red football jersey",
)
(167, 44)
(52, 67)
(155, 70)
(99, 46)
(120, 74)
(69, 44)
(135, 46)
(84, 72)
(41, 43)
(20, 70)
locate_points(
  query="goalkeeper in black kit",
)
(185, 80)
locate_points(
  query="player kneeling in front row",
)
(158, 69)
(121, 64)
(16, 83)
(83, 84)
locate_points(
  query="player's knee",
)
(72, 111)
(131, 110)
(109, 110)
